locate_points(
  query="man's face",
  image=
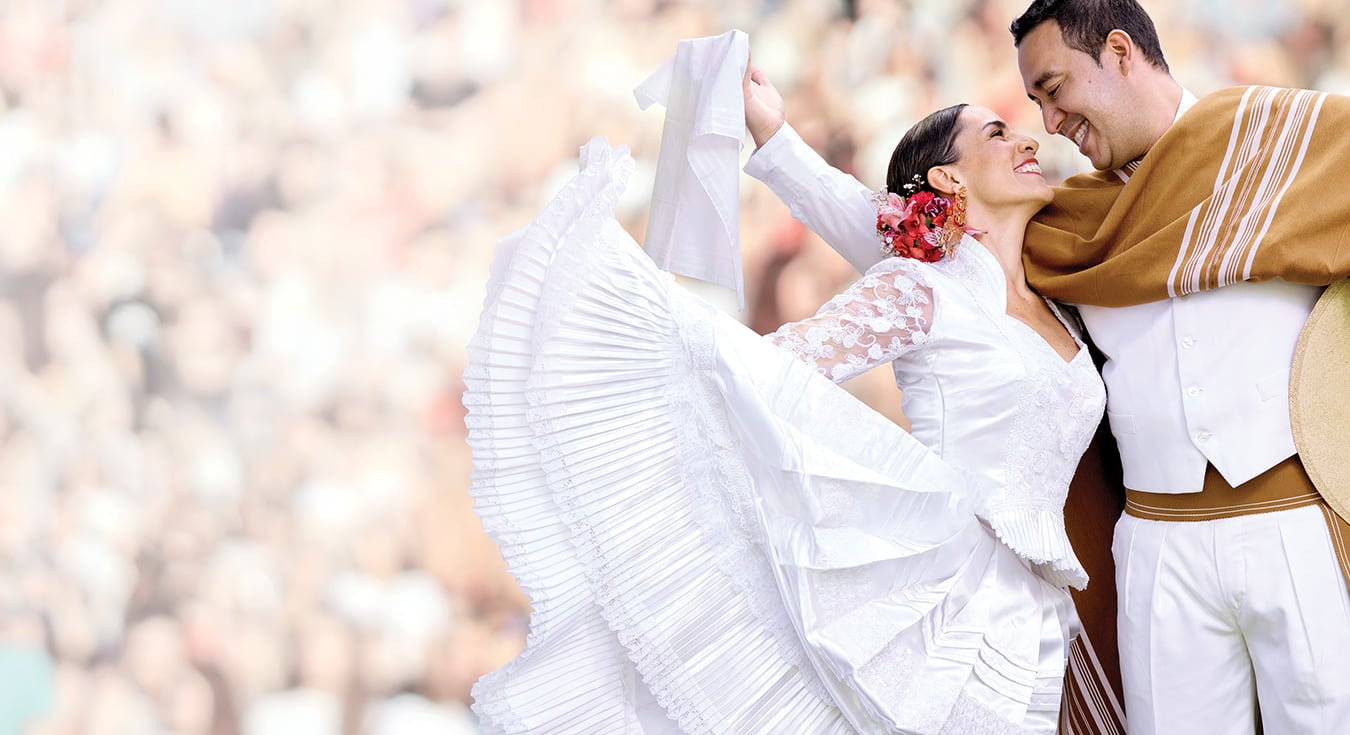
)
(1087, 103)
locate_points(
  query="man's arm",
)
(836, 206)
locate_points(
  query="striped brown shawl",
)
(1251, 183)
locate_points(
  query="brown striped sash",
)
(1247, 185)
(1283, 487)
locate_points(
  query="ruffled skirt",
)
(715, 538)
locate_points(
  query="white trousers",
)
(1216, 614)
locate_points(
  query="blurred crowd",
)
(242, 247)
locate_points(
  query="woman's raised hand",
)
(763, 105)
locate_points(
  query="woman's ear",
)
(944, 180)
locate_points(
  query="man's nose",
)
(1052, 118)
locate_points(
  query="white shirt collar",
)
(1188, 100)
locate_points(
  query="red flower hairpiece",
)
(923, 225)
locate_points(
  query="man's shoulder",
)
(1228, 96)
(1256, 101)
(1237, 90)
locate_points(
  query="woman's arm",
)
(836, 206)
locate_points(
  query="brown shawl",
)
(1250, 184)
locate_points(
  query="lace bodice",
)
(982, 389)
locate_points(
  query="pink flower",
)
(913, 227)
(936, 206)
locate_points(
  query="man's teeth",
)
(1080, 134)
(1029, 168)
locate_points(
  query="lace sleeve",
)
(880, 317)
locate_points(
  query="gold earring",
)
(955, 225)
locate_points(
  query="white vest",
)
(1201, 379)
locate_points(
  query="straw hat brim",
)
(1319, 397)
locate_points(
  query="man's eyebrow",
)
(1043, 78)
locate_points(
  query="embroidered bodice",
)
(981, 389)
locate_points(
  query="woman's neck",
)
(1003, 239)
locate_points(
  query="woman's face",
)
(998, 166)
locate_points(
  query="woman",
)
(716, 538)
(839, 209)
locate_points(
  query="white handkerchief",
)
(694, 225)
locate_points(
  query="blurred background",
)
(242, 247)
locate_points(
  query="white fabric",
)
(645, 460)
(693, 228)
(1198, 632)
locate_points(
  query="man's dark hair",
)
(1084, 25)
(930, 142)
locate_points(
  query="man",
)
(1224, 598)
(1195, 254)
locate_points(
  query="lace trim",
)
(969, 716)
(1030, 515)
(880, 317)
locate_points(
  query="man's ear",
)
(944, 180)
(1118, 51)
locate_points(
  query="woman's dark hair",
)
(1085, 24)
(931, 142)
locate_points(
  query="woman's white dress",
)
(717, 538)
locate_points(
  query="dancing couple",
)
(715, 537)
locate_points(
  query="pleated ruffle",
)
(1039, 537)
(568, 639)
